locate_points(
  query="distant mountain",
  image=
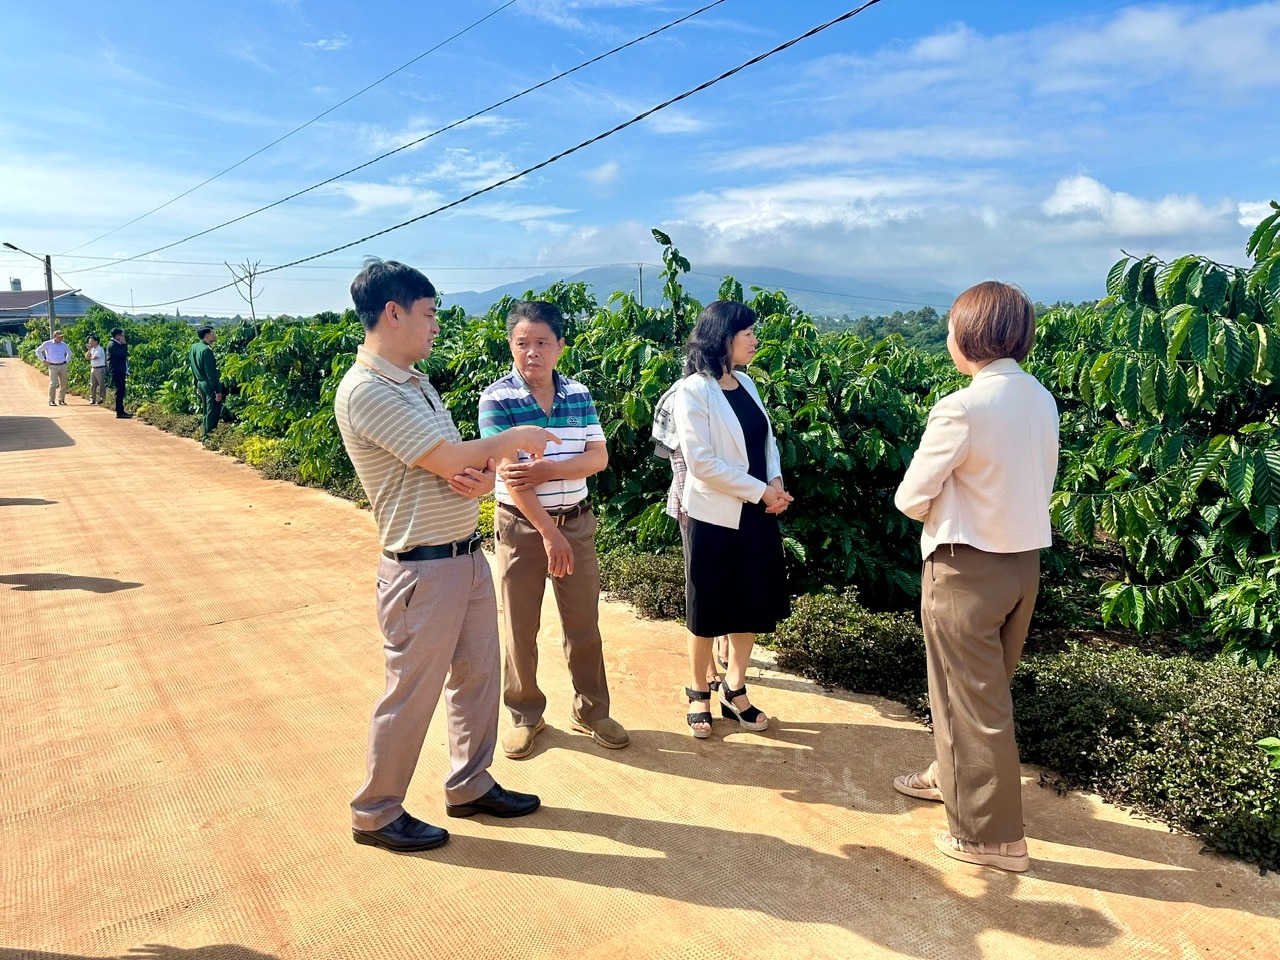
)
(819, 295)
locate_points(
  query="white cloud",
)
(466, 170)
(1253, 212)
(1180, 52)
(523, 213)
(862, 146)
(605, 175)
(329, 43)
(570, 13)
(1085, 202)
(675, 121)
(368, 197)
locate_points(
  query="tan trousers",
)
(57, 382)
(522, 571)
(975, 608)
(440, 621)
(97, 384)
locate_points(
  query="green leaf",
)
(1148, 392)
(1130, 390)
(1263, 236)
(1206, 461)
(1240, 472)
(1178, 319)
(1115, 277)
(1199, 336)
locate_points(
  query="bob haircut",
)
(708, 348)
(383, 281)
(536, 311)
(993, 320)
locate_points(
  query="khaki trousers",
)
(975, 608)
(522, 571)
(440, 621)
(97, 384)
(57, 381)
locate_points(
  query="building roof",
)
(26, 299)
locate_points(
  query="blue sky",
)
(921, 142)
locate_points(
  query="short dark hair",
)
(384, 281)
(94, 338)
(536, 311)
(204, 332)
(993, 320)
(708, 348)
(116, 332)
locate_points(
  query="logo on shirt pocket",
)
(574, 421)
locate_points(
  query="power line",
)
(550, 160)
(286, 136)
(414, 143)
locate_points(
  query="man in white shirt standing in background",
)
(54, 353)
(97, 358)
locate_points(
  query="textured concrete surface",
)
(188, 660)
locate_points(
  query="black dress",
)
(736, 582)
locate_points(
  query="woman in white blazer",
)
(735, 583)
(981, 481)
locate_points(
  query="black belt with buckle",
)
(579, 508)
(439, 551)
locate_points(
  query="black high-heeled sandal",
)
(703, 717)
(748, 719)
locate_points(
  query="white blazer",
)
(986, 464)
(715, 452)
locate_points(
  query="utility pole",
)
(48, 280)
(48, 290)
(640, 267)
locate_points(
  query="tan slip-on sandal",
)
(920, 785)
(995, 855)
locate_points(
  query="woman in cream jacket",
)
(980, 481)
(735, 583)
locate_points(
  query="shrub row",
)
(1174, 738)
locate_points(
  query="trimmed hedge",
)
(652, 583)
(1175, 738)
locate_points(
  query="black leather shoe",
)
(497, 803)
(404, 834)
(124, 416)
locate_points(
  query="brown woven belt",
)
(581, 507)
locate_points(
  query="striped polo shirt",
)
(389, 419)
(508, 403)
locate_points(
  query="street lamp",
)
(48, 281)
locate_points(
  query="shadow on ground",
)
(65, 581)
(31, 433)
(150, 951)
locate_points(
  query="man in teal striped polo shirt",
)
(544, 525)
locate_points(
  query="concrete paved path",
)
(188, 660)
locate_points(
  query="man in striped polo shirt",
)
(544, 525)
(435, 596)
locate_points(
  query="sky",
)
(923, 143)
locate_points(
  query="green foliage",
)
(833, 639)
(925, 329)
(1171, 440)
(652, 583)
(1177, 738)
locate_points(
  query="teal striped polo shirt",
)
(508, 403)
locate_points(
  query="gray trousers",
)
(57, 381)
(975, 608)
(97, 384)
(522, 566)
(440, 621)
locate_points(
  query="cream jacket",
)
(985, 466)
(715, 451)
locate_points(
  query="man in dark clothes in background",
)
(118, 361)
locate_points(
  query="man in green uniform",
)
(204, 366)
